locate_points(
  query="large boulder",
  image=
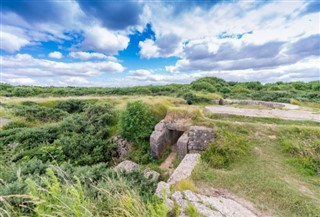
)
(127, 165)
(130, 166)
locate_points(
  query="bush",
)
(137, 122)
(71, 106)
(16, 124)
(36, 112)
(203, 86)
(229, 147)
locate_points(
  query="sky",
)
(118, 43)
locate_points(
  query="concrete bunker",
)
(189, 139)
(163, 137)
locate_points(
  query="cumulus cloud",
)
(198, 57)
(101, 39)
(90, 55)
(55, 55)
(12, 43)
(166, 46)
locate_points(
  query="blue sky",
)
(142, 42)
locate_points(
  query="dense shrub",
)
(137, 122)
(71, 106)
(203, 86)
(40, 113)
(81, 138)
(198, 97)
(16, 124)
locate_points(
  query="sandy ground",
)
(302, 115)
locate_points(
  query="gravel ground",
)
(267, 113)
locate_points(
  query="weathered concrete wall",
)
(248, 102)
(184, 169)
(162, 138)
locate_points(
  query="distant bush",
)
(198, 97)
(71, 106)
(203, 86)
(36, 112)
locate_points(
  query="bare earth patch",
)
(167, 165)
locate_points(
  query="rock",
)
(162, 188)
(124, 146)
(4, 121)
(151, 174)
(199, 138)
(127, 165)
(182, 146)
(13, 145)
(210, 206)
(184, 169)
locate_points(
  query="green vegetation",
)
(192, 210)
(193, 93)
(57, 153)
(276, 167)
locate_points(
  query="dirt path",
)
(273, 113)
(167, 165)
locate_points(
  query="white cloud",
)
(90, 55)
(11, 42)
(77, 81)
(25, 64)
(21, 81)
(55, 55)
(101, 39)
(148, 49)
(140, 72)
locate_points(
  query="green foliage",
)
(137, 122)
(16, 124)
(203, 86)
(228, 148)
(192, 210)
(81, 138)
(304, 149)
(198, 97)
(71, 106)
(56, 199)
(34, 112)
(279, 91)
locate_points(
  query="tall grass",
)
(59, 195)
